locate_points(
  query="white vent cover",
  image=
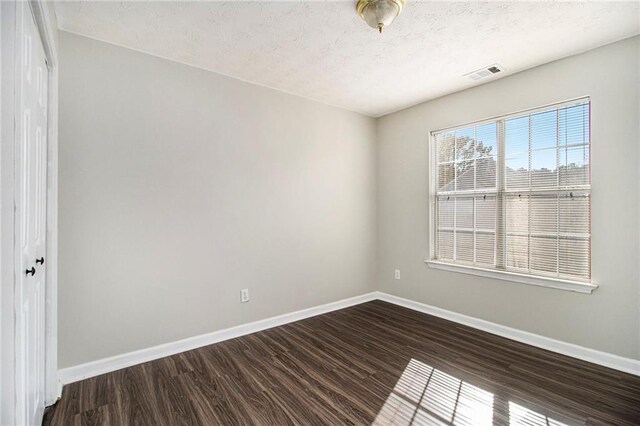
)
(485, 72)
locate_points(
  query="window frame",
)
(532, 279)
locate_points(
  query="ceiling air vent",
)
(485, 72)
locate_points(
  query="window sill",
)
(560, 284)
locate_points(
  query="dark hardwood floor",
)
(372, 363)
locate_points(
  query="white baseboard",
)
(58, 393)
(616, 362)
(106, 365)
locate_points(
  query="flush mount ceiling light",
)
(379, 14)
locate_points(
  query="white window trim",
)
(537, 280)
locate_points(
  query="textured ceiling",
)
(323, 51)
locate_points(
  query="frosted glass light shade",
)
(379, 14)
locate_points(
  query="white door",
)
(31, 210)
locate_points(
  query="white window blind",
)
(513, 194)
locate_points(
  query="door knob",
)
(31, 271)
(40, 261)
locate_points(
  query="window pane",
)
(464, 246)
(485, 248)
(573, 125)
(486, 169)
(446, 207)
(486, 212)
(445, 245)
(544, 171)
(517, 167)
(516, 135)
(544, 214)
(544, 128)
(574, 214)
(544, 254)
(465, 144)
(574, 257)
(517, 239)
(574, 166)
(446, 176)
(465, 175)
(444, 144)
(517, 255)
(464, 212)
(486, 140)
(517, 212)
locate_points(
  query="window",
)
(512, 195)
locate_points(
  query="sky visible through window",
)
(543, 149)
(567, 125)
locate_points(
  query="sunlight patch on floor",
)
(427, 396)
(519, 415)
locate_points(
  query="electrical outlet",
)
(397, 274)
(244, 295)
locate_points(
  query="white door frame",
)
(47, 27)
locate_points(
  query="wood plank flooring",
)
(374, 363)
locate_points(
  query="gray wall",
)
(179, 187)
(607, 320)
